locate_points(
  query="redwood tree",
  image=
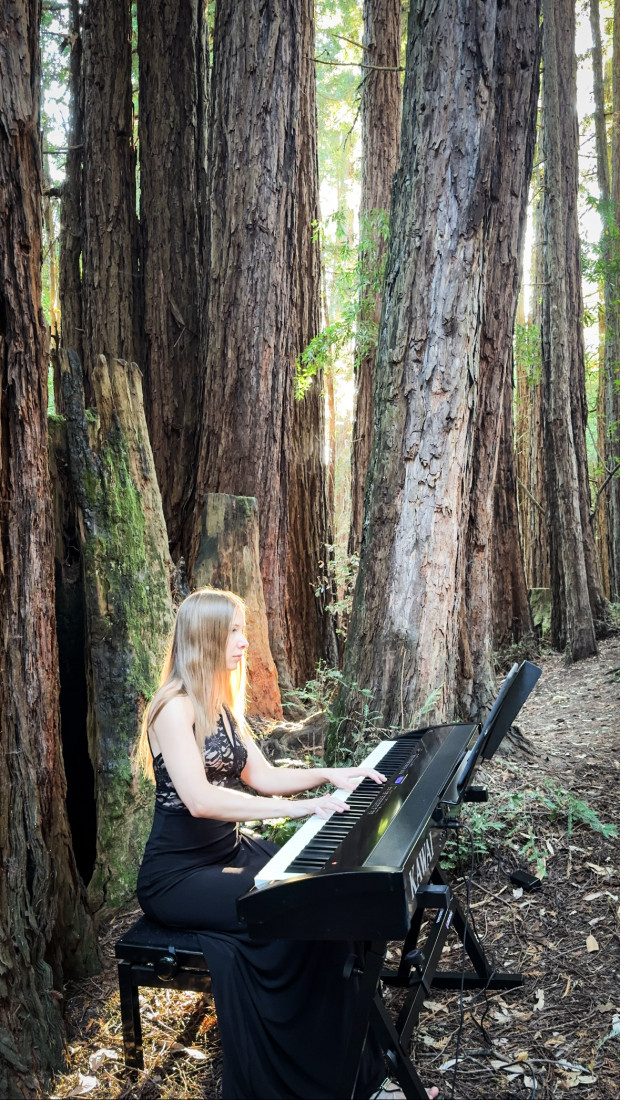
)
(71, 233)
(251, 321)
(173, 61)
(495, 595)
(46, 934)
(380, 117)
(309, 625)
(109, 248)
(572, 624)
(404, 636)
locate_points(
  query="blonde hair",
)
(195, 666)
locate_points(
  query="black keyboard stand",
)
(418, 973)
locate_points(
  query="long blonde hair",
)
(195, 666)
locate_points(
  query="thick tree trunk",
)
(493, 555)
(381, 118)
(46, 932)
(228, 558)
(173, 57)
(404, 636)
(70, 279)
(252, 321)
(109, 249)
(127, 579)
(570, 591)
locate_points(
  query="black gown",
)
(283, 1007)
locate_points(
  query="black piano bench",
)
(151, 955)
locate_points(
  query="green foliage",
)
(527, 351)
(513, 818)
(357, 279)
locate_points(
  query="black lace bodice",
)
(224, 761)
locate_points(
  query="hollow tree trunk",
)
(251, 322)
(46, 934)
(404, 638)
(127, 577)
(570, 591)
(109, 246)
(493, 555)
(380, 117)
(173, 57)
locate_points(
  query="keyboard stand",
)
(418, 973)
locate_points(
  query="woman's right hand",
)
(323, 807)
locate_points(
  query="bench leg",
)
(130, 1017)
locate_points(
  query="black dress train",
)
(283, 1007)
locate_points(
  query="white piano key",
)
(276, 869)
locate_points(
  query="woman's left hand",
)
(349, 778)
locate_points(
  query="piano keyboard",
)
(312, 844)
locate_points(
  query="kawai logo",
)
(424, 861)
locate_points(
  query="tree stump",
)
(127, 574)
(228, 557)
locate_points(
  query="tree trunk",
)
(512, 619)
(228, 558)
(173, 57)
(381, 117)
(612, 337)
(404, 636)
(569, 139)
(129, 615)
(309, 628)
(70, 249)
(492, 553)
(46, 932)
(570, 592)
(530, 447)
(252, 321)
(109, 247)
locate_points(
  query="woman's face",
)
(237, 642)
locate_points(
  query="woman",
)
(283, 1007)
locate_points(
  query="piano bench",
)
(151, 955)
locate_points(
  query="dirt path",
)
(560, 1032)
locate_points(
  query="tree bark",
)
(109, 247)
(512, 619)
(173, 58)
(570, 592)
(46, 932)
(228, 558)
(494, 564)
(252, 320)
(381, 118)
(404, 636)
(129, 614)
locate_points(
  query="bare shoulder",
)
(175, 718)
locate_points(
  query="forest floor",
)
(557, 1034)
